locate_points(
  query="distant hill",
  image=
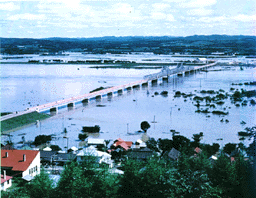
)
(197, 44)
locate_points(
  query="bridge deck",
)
(59, 103)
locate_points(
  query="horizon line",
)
(126, 36)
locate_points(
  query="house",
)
(202, 60)
(120, 143)
(139, 144)
(6, 181)
(96, 142)
(21, 163)
(140, 153)
(173, 154)
(101, 157)
(56, 157)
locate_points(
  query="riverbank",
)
(16, 122)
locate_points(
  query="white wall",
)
(5, 185)
(35, 162)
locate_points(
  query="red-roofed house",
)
(6, 181)
(21, 163)
(123, 144)
(197, 150)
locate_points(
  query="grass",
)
(22, 120)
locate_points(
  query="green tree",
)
(229, 147)
(42, 139)
(41, 186)
(55, 148)
(144, 126)
(82, 136)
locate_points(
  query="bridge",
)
(53, 107)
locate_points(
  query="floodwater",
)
(120, 116)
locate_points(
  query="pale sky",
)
(96, 18)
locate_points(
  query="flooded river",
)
(27, 85)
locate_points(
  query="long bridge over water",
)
(165, 73)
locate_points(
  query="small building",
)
(96, 142)
(140, 154)
(56, 157)
(202, 60)
(6, 181)
(120, 143)
(20, 163)
(101, 157)
(173, 154)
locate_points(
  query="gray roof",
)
(174, 154)
(143, 153)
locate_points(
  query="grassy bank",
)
(22, 120)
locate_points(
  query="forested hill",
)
(197, 44)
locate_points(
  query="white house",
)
(92, 151)
(21, 163)
(96, 142)
(6, 181)
(202, 60)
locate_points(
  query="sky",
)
(97, 18)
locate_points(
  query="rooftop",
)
(14, 159)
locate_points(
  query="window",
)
(36, 168)
(8, 182)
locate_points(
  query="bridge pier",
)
(120, 92)
(72, 104)
(144, 84)
(165, 79)
(54, 110)
(154, 82)
(128, 88)
(110, 94)
(136, 87)
(180, 74)
(98, 98)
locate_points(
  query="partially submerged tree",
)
(144, 126)
(42, 139)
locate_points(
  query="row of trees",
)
(192, 175)
(158, 177)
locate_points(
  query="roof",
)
(174, 154)
(4, 180)
(15, 159)
(95, 141)
(47, 149)
(197, 150)
(27, 178)
(140, 153)
(119, 139)
(124, 144)
(7, 147)
(56, 156)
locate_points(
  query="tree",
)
(82, 136)
(197, 138)
(229, 147)
(151, 179)
(144, 126)
(40, 187)
(42, 139)
(152, 144)
(165, 145)
(55, 148)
